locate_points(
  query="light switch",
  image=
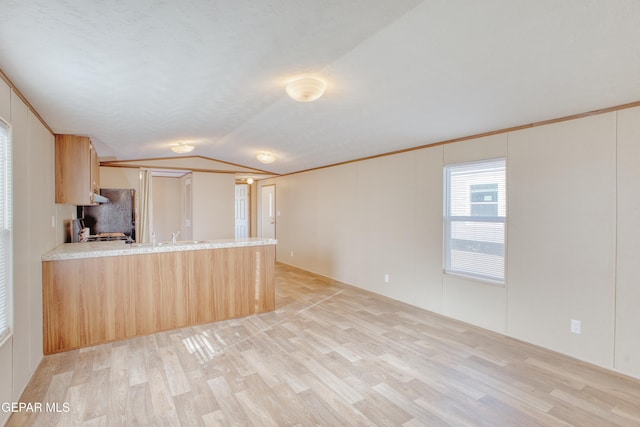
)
(576, 326)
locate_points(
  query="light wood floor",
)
(331, 355)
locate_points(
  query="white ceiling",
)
(141, 75)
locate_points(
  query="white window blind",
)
(6, 247)
(475, 213)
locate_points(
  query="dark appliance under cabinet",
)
(106, 220)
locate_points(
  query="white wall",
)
(360, 221)
(167, 209)
(213, 202)
(562, 211)
(572, 245)
(38, 227)
(42, 236)
(213, 205)
(627, 295)
(21, 273)
(112, 177)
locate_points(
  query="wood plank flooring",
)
(330, 355)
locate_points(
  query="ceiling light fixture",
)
(249, 181)
(182, 148)
(306, 89)
(265, 157)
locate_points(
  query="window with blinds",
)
(474, 219)
(6, 247)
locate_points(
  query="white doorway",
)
(242, 211)
(268, 212)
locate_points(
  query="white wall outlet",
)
(576, 326)
(291, 253)
(386, 278)
(53, 221)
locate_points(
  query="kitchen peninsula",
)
(99, 292)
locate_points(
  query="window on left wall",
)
(6, 231)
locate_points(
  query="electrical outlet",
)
(576, 326)
(386, 278)
(291, 253)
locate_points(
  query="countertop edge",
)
(68, 251)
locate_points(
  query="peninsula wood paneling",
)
(266, 269)
(96, 300)
(230, 291)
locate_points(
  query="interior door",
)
(268, 212)
(242, 211)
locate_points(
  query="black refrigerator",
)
(116, 216)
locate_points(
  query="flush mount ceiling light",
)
(306, 89)
(265, 157)
(182, 148)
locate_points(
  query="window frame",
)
(8, 211)
(449, 219)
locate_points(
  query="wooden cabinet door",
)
(77, 170)
(95, 170)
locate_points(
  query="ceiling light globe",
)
(306, 89)
(182, 148)
(265, 157)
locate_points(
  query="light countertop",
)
(119, 247)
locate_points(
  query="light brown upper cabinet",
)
(77, 170)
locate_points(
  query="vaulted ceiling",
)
(141, 75)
